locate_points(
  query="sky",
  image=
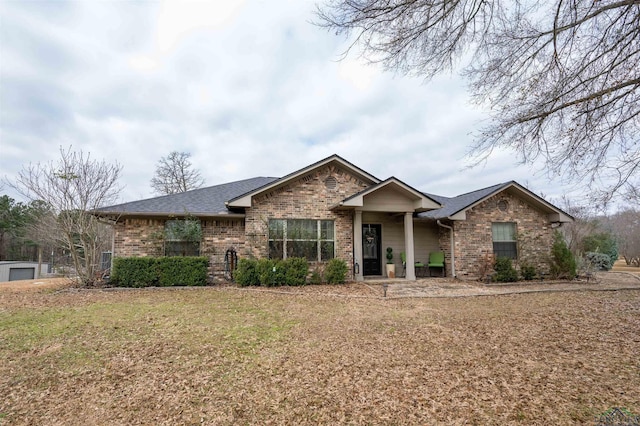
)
(248, 88)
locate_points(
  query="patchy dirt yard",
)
(317, 355)
(36, 285)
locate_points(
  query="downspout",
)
(453, 256)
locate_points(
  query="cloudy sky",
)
(248, 88)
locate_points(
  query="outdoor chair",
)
(420, 268)
(436, 260)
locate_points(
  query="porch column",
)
(357, 246)
(408, 243)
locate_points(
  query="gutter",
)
(122, 214)
(453, 256)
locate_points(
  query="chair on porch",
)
(420, 267)
(436, 260)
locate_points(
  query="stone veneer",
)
(473, 236)
(308, 197)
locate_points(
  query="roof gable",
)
(244, 200)
(406, 198)
(455, 208)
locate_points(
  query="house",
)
(334, 209)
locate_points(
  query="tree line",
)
(57, 226)
(615, 235)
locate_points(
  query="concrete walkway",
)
(443, 287)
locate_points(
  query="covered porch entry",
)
(381, 230)
(383, 216)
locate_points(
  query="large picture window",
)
(182, 237)
(310, 239)
(504, 240)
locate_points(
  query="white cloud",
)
(248, 88)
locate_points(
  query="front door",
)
(371, 249)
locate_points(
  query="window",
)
(182, 237)
(504, 240)
(310, 239)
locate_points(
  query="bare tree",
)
(562, 78)
(626, 227)
(174, 174)
(584, 224)
(71, 188)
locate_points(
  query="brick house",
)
(333, 208)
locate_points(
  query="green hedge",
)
(247, 273)
(505, 272)
(336, 271)
(159, 271)
(179, 271)
(134, 272)
(270, 272)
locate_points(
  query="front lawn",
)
(233, 356)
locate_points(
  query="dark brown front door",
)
(371, 250)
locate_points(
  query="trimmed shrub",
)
(528, 272)
(266, 274)
(505, 272)
(562, 263)
(247, 273)
(296, 270)
(188, 271)
(134, 272)
(316, 277)
(599, 261)
(163, 271)
(336, 271)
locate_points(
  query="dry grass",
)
(621, 266)
(36, 285)
(228, 356)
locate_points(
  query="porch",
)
(407, 237)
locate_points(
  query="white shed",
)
(17, 270)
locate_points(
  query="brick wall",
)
(473, 238)
(218, 236)
(144, 237)
(139, 237)
(309, 197)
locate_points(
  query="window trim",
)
(513, 243)
(318, 240)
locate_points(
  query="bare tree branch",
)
(174, 174)
(561, 77)
(70, 189)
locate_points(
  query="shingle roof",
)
(203, 201)
(215, 200)
(454, 205)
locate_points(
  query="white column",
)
(408, 243)
(357, 245)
